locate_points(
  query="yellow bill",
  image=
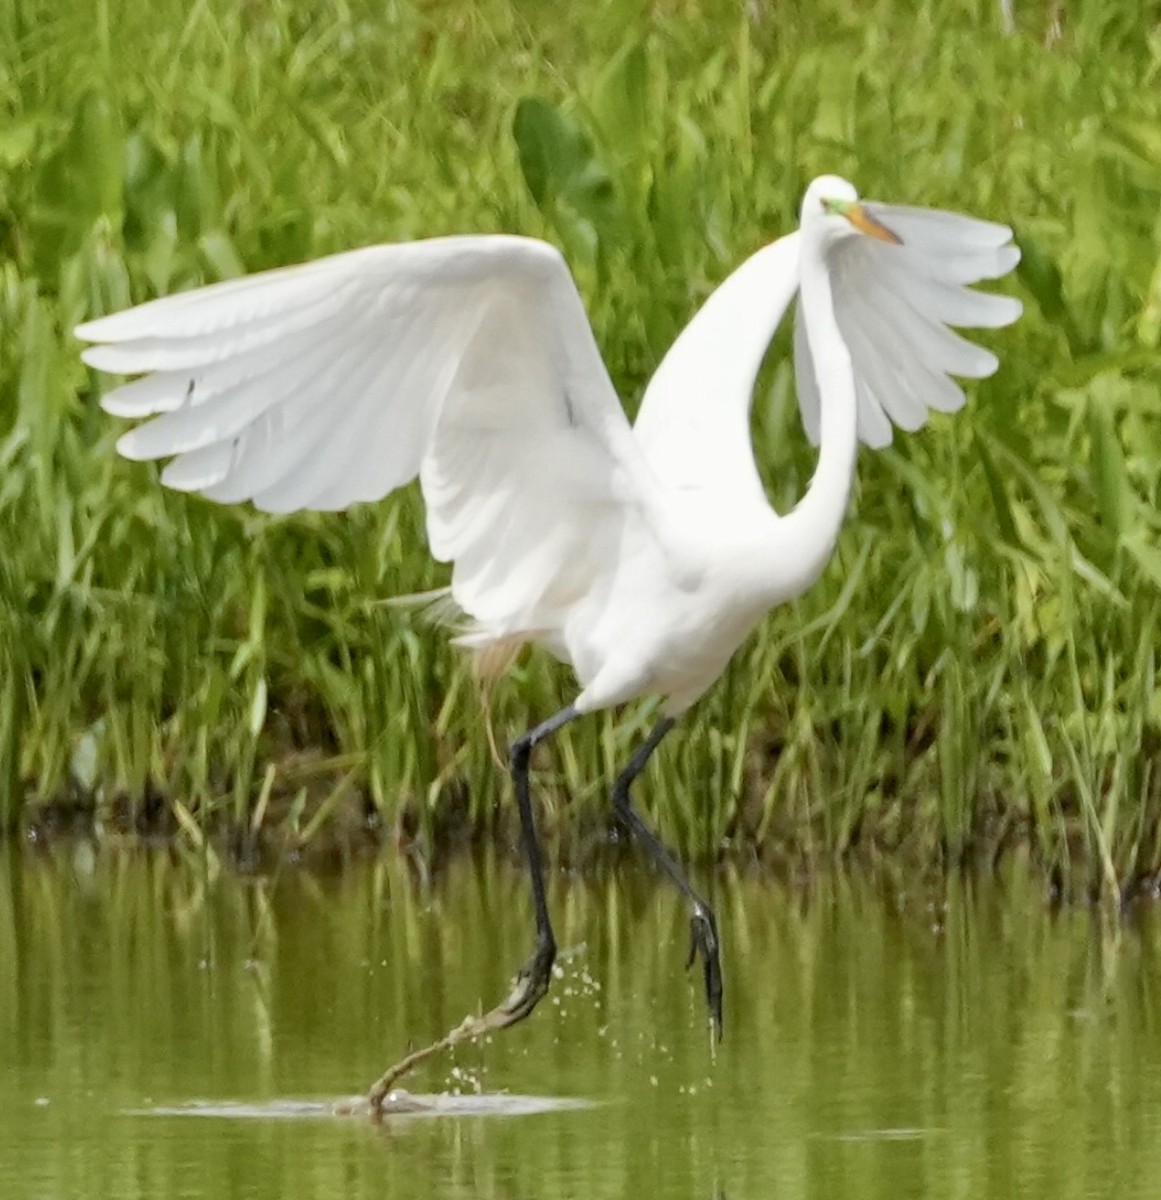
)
(862, 220)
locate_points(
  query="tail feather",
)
(435, 607)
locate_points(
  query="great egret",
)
(641, 555)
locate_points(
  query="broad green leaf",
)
(1041, 275)
(1110, 477)
(557, 160)
(547, 145)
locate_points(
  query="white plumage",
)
(642, 555)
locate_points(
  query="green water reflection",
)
(877, 1046)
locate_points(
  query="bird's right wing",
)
(468, 360)
(894, 303)
(319, 385)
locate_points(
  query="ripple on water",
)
(399, 1104)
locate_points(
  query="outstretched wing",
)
(894, 303)
(468, 360)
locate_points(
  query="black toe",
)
(703, 941)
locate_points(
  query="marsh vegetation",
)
(976, 672)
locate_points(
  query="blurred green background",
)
(975, 673)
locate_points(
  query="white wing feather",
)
(894, 304)
(468, 361)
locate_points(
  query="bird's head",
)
(832, 210)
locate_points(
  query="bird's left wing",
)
(894, 305)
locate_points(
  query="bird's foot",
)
(703, 940)
(531, 983)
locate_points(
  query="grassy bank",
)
(977, 669)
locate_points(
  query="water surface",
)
(168, 1029)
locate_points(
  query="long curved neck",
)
(694, 422)
(813, 525)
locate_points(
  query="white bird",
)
(641, 555)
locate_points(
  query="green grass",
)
(978, 667)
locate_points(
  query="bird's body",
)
(642, 555)
(658, 632)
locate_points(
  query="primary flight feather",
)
(641, 555)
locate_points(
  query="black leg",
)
(703, 926)
(533, 979)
